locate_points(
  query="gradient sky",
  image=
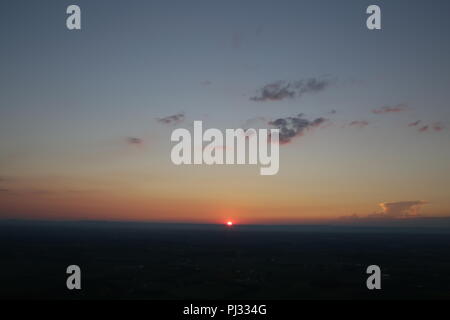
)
(71, 101)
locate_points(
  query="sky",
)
(86, 115)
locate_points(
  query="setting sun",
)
(229, 223)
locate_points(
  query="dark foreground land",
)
(146, 261)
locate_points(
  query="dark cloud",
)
(281, 90)
(391, 109)
(173, 119)
(359, 123)
(414, 124)
(311, 85)
(292, 127)
(41, 192)
(134, 141)
(275, 91)
(436, 126)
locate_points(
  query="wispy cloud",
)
(391, 109)
(173, 119)
(414, 124)
(296, 126)
(281, 90)
(359, 123)
(134, 141)
(39, 192)
(436, 126)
